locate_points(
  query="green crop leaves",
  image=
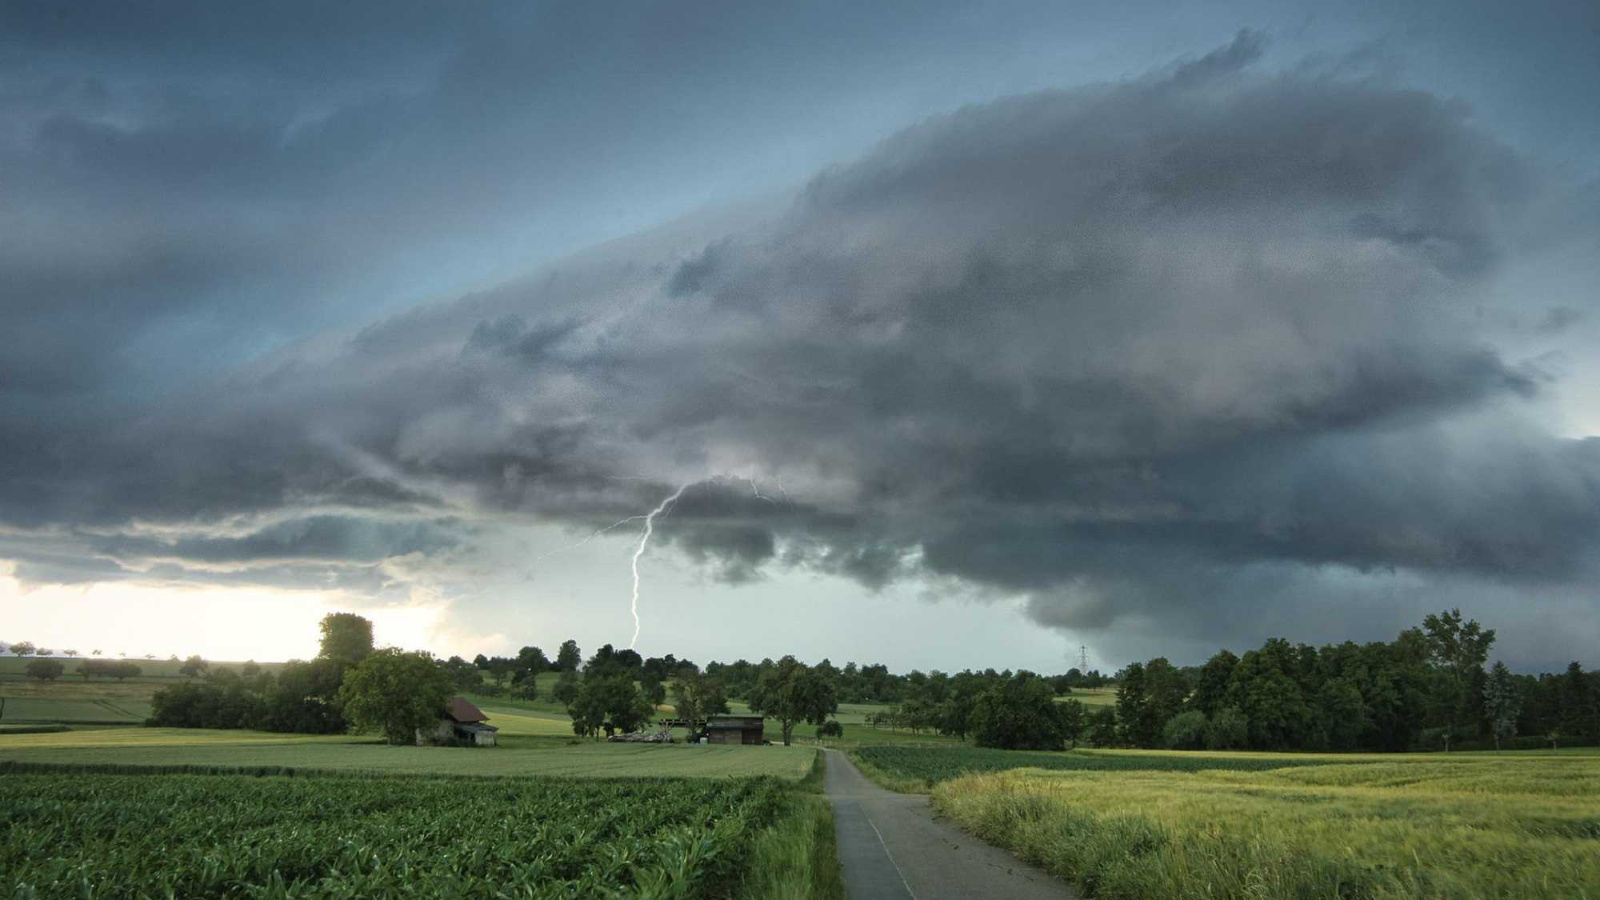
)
(120, 836)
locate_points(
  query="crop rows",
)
(130, 836)
(935, 764)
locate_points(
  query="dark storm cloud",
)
(1149, 348)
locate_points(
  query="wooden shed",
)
(734, 730)
(462, 723)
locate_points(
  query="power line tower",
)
(1083, 659)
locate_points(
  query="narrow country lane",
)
(891, 848)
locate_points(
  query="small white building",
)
(463, 723)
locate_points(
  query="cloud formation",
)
(1154, 348)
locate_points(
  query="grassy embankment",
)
(1140, 825)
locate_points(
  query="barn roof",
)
(460, 709)
(742, 723)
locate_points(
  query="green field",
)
(919, 769)
(110, 836)
(1092, 697)
(1466, 825)
(531, 755)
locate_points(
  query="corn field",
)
(226, 836)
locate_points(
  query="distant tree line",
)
(1427, 689)
(874, 683)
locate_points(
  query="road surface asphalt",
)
(892, 849)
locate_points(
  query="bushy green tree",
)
(44, 669)
(1229, 729)
(1073, 721)
(655, 693)
(567, 687)
(954, 715)
(1185, 731)
(1103, 727)
(609, 700)
(830, 729)
(791, 692)
(193, 667)
(697, 696)
(1018, 713)
(1211, 692)
(569, 657)
(525, 685)
(1149, 694)
(532, 661)
(346, 638)
(395, 693)
(1264, 687)
(304, 698)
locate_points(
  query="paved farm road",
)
(892, 849)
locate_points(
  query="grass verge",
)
(798, 857)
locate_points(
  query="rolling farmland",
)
(531, 755)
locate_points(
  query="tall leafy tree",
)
(346, 638)
(1133, 704)
(569, 657)
(1265, 690)
(1502, 702)
(609, 700)
(1458, 650)
(1580, 705)
(1210, 693)
(1018, 713)
(395, 693)
(697, 696)
(1073, 721)
(1103, 727)
(567, 687)
(791, 692)
(532, 661)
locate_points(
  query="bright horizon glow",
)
(226, 624)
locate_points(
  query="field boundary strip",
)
(25, 767)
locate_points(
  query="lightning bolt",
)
(591, 536)
(757, 491)
(644, 541)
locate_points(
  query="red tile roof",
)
(460, 709)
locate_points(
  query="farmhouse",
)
(462, 723)
(734, 730)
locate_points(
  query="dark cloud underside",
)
(1141, 348)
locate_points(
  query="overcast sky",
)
(967, 334)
